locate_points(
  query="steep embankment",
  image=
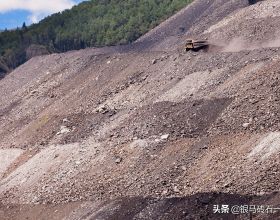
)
(117, 133)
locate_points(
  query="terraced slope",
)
(147, 131)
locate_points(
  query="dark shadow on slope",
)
(185, 119)
(251, 2)
(2, 75)
(198, 206)
(3, 70)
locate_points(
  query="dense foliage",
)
(91, 23)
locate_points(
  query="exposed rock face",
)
(35, 50)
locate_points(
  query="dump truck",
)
(196, 45)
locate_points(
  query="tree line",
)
(94, 23)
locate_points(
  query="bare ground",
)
(146, 131)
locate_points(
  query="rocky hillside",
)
(148, 131)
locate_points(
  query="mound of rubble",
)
(147, 131)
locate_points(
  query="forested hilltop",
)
(92, 23)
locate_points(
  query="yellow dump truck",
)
(196, 45)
